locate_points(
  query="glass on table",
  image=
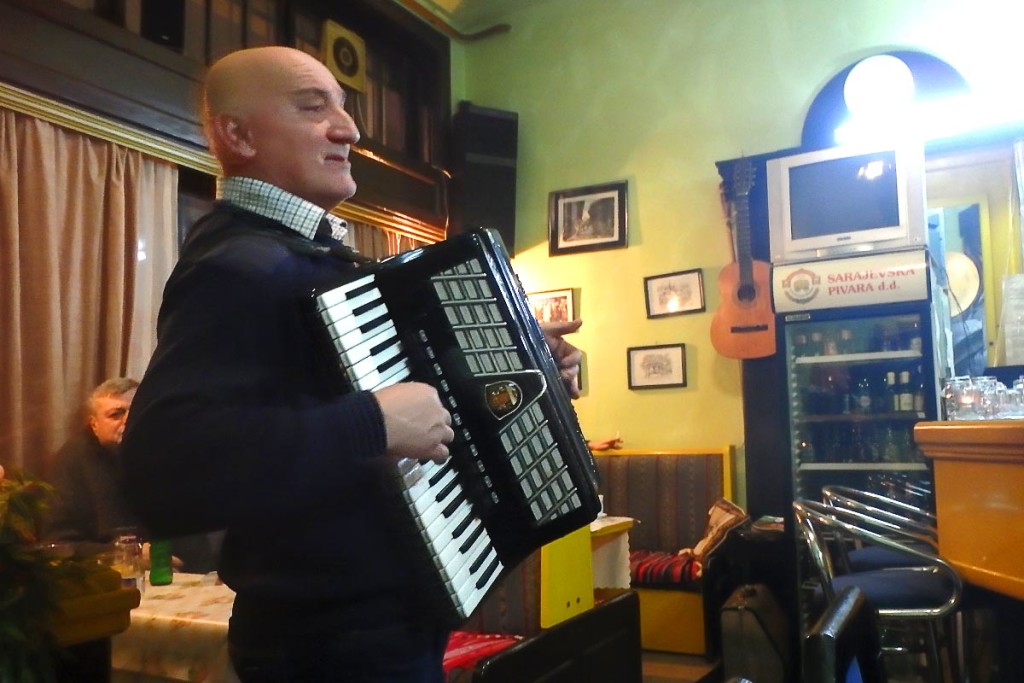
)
(126, 559)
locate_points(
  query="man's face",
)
(300, 134)
(108, 417)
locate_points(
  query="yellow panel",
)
(566, 578)
(671, 621)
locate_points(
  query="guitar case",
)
(754, 642)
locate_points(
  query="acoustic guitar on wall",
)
(744, 324)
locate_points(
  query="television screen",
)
(844, 195)
(843, 201)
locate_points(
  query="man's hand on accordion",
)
(566, 356)
(418, 425)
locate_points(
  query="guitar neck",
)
(743, 253)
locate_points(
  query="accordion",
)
(520, 474)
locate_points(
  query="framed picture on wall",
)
(556, 305)
(674, 293)
(588, 218)
(653, 367)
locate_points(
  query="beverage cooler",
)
(865, 348)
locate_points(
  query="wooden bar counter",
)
(979, 499)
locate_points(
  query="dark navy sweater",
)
(239, 423)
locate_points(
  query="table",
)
(178, 632)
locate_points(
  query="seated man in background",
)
(89, 508)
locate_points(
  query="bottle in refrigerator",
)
(816, 346)
(906, 392)
(891, 445)
(800, 345)
(846, 342)
(892, 394)
(863, 394)
(919, 390)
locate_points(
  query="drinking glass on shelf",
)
(1015, 399)
(987, 397)
(958, 398)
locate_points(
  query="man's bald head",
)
(277, 114)
(235, 82)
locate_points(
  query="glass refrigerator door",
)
(856, 387)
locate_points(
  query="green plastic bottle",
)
(161, 572)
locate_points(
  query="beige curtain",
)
(87, 239)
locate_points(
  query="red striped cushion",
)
(656, 568)
(466, 648)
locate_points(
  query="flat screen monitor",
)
(843, 201)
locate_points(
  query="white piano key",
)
(356, 343)
(395, 374)
(358, 300)
(461, 579)
(364, 366)
(465, 581)
(345, 316)
(422, 498)
(448, 547)
(442, 530)
(474, 598)
(443, 534)
(338, 294)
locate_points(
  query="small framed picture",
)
(652, 367)
(553, 306)
(587, 219)
(674, 293)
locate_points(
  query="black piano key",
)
(468, 543)
(482, 581)
(362, 310)
(452, 506)
(460, 529)
(478, 562)
(362, 289)
(440, 474)
(447, 490)
(397, 358)
(376, 349)
(375, 322)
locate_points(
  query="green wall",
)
(654, 92)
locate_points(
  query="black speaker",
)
(484, 143)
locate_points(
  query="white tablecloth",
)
(178, 632)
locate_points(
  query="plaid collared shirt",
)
(272, 202)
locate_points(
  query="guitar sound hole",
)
(746, 293)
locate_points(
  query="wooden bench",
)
(669, 494)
